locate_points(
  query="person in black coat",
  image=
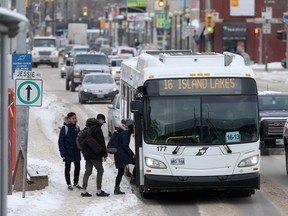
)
(68, 148)
(124, 154)
(93, 157)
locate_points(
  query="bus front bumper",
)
(156, 183)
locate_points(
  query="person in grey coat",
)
(124, 154)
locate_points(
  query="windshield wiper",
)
(218, 136)
(176, 149)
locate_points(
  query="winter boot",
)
(117, 191)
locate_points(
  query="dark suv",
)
(273, 113)
(87, 62)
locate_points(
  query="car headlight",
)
(77, 73)
(86, 90)
(153, 163)
(66, 55)
(115, 89)
(251, 161)
(55, 53)
(63, 68)
(34, 53)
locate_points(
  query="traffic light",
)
(162, 4)
(281, 35)
(257, 32)
(209, 21)
(84, 10)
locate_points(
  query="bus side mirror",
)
(136, 106)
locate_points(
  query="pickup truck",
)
(86, 62)
(273, 113)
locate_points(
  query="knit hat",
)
(127, 123)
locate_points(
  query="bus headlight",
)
(153, 163)
(251, 161)
(77, 73)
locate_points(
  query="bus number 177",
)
(161, 148)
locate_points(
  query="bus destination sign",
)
(183, 86)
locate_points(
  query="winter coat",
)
(67, 142)
(88, 150)
(124, 154)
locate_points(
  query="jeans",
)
(76, 172)
(88, 171)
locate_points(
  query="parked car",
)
(115, 64)
(87, 62)
(273, 113)
(65, 69)
(97, 86)
(114, 115)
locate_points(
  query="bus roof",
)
(176, 64)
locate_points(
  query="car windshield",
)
(81, 50)
(98, 79)
(44, 43)
(91, 59)
(273, 102)
(116, 63)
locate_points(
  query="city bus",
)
(196, 121)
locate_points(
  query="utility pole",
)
(4, 122)
(22, 112)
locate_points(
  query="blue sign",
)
(285, 16)
(21, 62)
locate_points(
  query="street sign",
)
(22, 74)
(21, 62)
(28, 92)
(285, 17)
(266, 28)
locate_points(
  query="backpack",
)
(82, 136)
(113, 143)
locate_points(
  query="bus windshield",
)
(198, 120)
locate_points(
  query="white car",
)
(97, 86)
(125, 52)
(113, 117)
(115, 65)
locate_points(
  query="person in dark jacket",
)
(93, 158)
(124, 154)
(68, 148)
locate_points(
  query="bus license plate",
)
(177, 161)
(100, 96)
